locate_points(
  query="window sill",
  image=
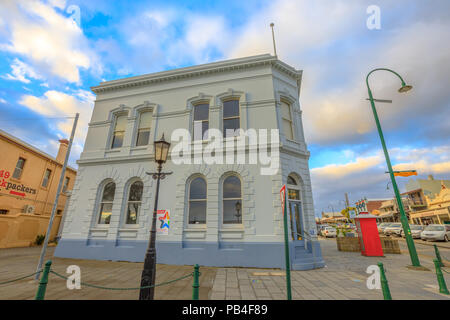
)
(113, 150)
(139, 148)
(232, 228)
(195, 229)
(129, 227)
(292, 141)
(100, 227)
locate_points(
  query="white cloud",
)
(21, 72)
(3, 101)
(56, 104)
(53, 42)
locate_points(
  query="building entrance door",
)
(295, 214)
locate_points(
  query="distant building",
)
(429, 200)
(28, 182)
(332, 217)
(389, 212)
(373, 205)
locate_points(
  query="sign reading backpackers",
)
(16, 189)
(162, 222)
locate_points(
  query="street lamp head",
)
(161, 150)
(238, 206)
(405, 88)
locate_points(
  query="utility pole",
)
(346, 200)
(55, 204)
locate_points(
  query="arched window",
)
(107, 203)
(232, 200)
(293, 188)
(197, 201)
(134, 202)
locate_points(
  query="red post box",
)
(369, 239)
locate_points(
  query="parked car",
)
(416, 230)
(383, 225)
(329, 232)
(436, 232)
(393, 229)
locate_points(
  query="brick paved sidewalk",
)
(344, 277)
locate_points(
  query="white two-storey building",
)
(221, 213)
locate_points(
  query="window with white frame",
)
(106, 203)
(119, 131)
(134, 202)
(143, 132)
(287, 123)
(201, 121)
(232, 200)
(47, 175)
(231, 118)
(197, 201)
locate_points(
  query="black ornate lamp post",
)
(161, 148)
(238, 207)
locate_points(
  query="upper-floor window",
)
(201, 121)
(66, 184)
(106, 203)
(231, 118)
(232, 200)
(143, 133)
(288, 129)
(47, 175)
(19, 168)
(197, 201)
(134, 202)
(119, 131)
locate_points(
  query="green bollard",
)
(440, 277)
(438, 255)
(40, 294)
(384, 283)
(195, 284)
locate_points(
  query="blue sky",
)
(50, 59)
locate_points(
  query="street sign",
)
(163, 225)
(283, 197)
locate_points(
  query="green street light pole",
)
(409, 241)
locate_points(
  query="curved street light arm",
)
(384, 69)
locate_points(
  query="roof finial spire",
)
(273, 38)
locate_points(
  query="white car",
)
(416, 230)
(436, 232)
(329, 232)
(393, 228)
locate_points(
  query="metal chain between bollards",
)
(133, 288)
(21, 278)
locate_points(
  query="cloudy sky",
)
(53, 51)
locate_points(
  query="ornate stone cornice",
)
(197, 71)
